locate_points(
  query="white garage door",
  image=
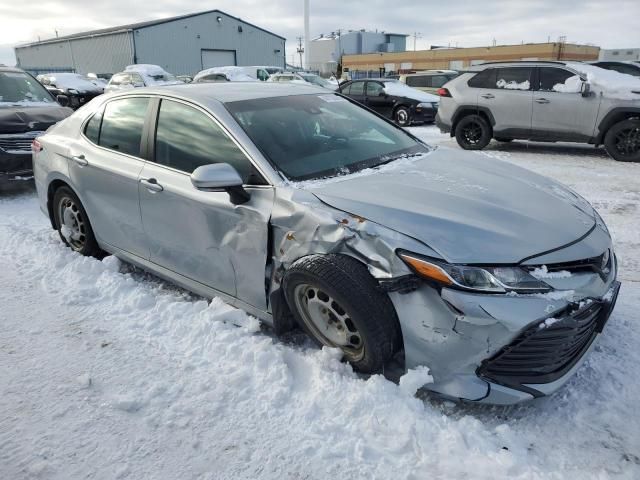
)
(218, 58)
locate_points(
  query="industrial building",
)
(619, 54)
(182, 45)
(459, 58)
(325, 51)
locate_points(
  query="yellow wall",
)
(440, 59)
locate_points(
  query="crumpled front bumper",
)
(459, 335)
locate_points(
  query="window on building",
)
(122, 125)
(186, 139)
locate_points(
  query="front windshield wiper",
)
(388, 159)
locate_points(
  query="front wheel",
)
(402, 116)
(622, 141)
(337, 302)
(72, 223)
(473, 132)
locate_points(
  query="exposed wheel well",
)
(51, 191)
(614, 118)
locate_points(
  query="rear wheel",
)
(622, 141)
(473, 132)
(402, 116)
(72, 223)
(337, 302)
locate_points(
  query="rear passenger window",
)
(550, 77)
(516, 78)
(186, 139)
(374, 89)
(92, 129)
(122, 125)
(356, 88)
(419, 81)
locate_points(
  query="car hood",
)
(467, 207)
(25, 119)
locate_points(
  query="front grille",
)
(599, 265)
(19, 142)
(546, 351)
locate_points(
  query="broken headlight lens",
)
(481, 279)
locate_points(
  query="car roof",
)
(4, 68)
(230, 91)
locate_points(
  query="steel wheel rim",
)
(328, 321)
(627, 142)
(72, 224)
(402, 116)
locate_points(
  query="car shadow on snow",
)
(18, 188)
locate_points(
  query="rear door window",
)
(356, 88)
(122, 124)
(514, 78)
(438, 80)
(92, 128)
(374, 89)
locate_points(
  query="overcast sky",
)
(609, 24)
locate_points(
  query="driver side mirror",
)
(585, 89)
(63, 100)
(218, 177)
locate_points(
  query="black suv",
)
(27, 109)
(393, 99)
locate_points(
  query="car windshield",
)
(322, 135)
(20, 88)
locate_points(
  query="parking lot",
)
(107, 372)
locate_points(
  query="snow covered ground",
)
(107, 372)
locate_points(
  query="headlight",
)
(481, 279)
(427, 105)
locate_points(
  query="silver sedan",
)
(305, 209)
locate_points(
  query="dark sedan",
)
(630, 67)
(392, 99)
(27, 109)
(77, 88)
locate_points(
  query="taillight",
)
(443, 92)
(36, 146)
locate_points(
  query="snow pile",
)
(548, 322)
(153, 74)
(571, 85)
(542, 272)
(399, 89)
(233, 74)
(415, 379)
(513, 85)
(612, 84)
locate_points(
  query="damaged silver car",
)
(303, 208)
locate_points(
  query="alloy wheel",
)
(627, 142)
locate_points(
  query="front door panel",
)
(206, 238)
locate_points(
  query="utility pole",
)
(307, 33)
(416, 36)
(300, 50)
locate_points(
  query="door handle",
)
(542, 100)
(488, 95)
(151, 184)
(80, 160)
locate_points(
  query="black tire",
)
(473, 132)
(86, 244)
(402, 116)
(348, 284)
(504, 140)
(622, 141)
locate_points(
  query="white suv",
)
(543, 101)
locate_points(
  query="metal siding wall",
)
(176, 47)
(100, 54)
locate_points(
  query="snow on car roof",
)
(70, 80)
(235, 74)
(613, 84)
